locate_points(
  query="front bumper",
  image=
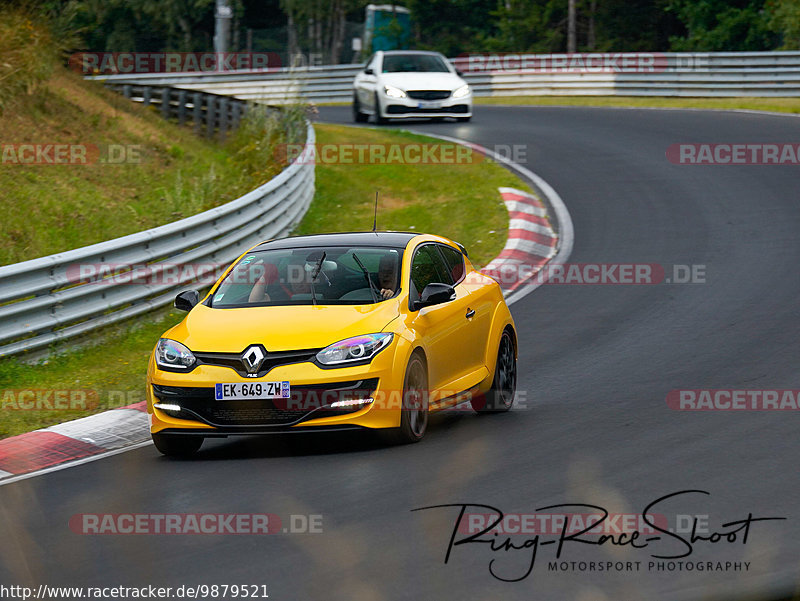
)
(313, 390)
(409, 108)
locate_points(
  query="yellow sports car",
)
(331, 332)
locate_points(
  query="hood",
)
(423, 81)
(282, 328)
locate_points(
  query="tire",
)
(414, 410)
(358, 116)
(463, 119)
(500, 396)
(177, 445)
(379, 119)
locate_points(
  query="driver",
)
(269, 278)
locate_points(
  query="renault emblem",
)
(252, 358)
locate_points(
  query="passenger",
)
(387, 275)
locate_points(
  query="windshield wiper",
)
(315, 276)
(372, 289)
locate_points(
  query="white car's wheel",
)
(379, 119)
(358, 116)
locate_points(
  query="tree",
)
(453, 26)
(318, 26)
(179, 18)
(784, 20)
(719, 25)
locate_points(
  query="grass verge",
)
(459, 201)
(166, 172)
(779, 105)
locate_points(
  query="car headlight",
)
(393, 92)
(461, 92)
(354, 350)
(173, 355)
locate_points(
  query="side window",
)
(455, 263)
(428, 267)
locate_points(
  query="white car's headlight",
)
(354, 350)
(393, 92)
(461, 92)
(173, 355)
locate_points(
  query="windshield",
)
(410, 63)
(305, 276)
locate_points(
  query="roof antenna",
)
(375, 219)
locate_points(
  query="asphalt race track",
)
(592, 426)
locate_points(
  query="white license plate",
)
(429, 105)
(245, 391)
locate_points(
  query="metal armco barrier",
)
(670, 74)
(209, 113)
(42, 301)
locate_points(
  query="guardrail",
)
(45, 300)
(732, 74)
(209, 113)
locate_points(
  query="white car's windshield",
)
(318, 275)
(414, 63)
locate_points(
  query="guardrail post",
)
(181, 107)
(197, 113)
(236, 114)
(165, 106)
(146, 95)
(210, 115)
(127, 91)
(223, 118)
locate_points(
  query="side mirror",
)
(187, 299)
(435, 294)
(369, 71)
(459, 72)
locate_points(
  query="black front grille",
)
(306, 402)
(428, 94)
(396, 109)
(273, 360)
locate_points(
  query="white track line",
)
(68, 464)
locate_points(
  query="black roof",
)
(387, 239)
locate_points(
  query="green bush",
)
(258, 145)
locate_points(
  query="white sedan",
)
(402, 84)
